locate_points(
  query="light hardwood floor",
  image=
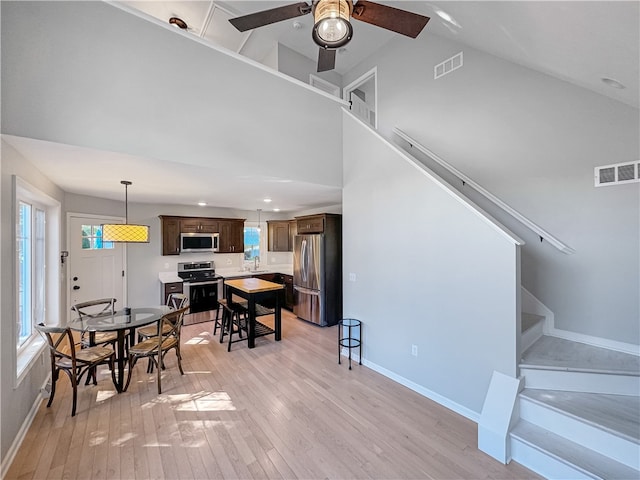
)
(280, 410)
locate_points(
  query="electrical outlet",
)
(352, 277)
(414, 350)
(229, 262)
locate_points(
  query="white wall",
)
(148, 90)
(533, 141)
(300, 67)
(430, 270)
(17, 401)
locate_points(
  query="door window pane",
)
(92, 238)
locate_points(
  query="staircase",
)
(579, 409)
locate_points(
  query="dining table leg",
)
(120, 360)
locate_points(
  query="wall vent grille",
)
(617, 174)
(448, 66)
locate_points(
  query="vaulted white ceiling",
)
(84, 58)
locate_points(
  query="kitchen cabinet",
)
(288, 291)
(310, 224)
(168, 289)
(231, 236)
(287, 281)
(199, 225)
(269, 277)
(231, 232)
(279, 236)
(293, 231)
(170, 228)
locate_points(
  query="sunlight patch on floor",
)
(105, 395)
(195, 402)
(98, 438)
(123, 439)
(197, 341)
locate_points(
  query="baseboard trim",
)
(425, 392)
(17, 441)
(596, 341)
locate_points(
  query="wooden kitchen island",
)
(255, 290)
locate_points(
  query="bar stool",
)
(234, 320)
(218, 321)
(349, 342)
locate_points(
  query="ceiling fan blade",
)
(267, 17)
(390, 18)
(326, 59)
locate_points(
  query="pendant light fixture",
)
(259, 210)
(125, 232)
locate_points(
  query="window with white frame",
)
(37, 244)
(251, 243)
(30, 262)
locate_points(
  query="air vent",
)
(617, 174)
(447, 66)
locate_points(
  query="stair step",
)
(617, 414)
(529, 320)
(607, 424)
(529, 441)
(560, 354)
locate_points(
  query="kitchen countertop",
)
(237, 273)
(286, 269)
(169, 277)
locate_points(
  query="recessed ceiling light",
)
(276, 209)
(297, 25)
(612, 83)
(178, 22)
(267, 200)
(447, 18)
(202, 204)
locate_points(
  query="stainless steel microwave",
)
(199, 242)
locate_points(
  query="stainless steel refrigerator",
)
(317, 278)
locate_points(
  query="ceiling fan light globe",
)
(332, 28)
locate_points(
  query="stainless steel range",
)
(201, 285)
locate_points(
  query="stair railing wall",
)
(541, 232)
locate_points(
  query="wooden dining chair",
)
(155, 348)
(74, 363)
(175, 301)
(96, 308)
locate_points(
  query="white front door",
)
(95, 267)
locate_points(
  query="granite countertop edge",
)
(172, 277)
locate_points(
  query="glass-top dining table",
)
(120, 322)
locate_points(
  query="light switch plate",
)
(352, 277)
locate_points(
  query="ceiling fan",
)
(332, 29)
